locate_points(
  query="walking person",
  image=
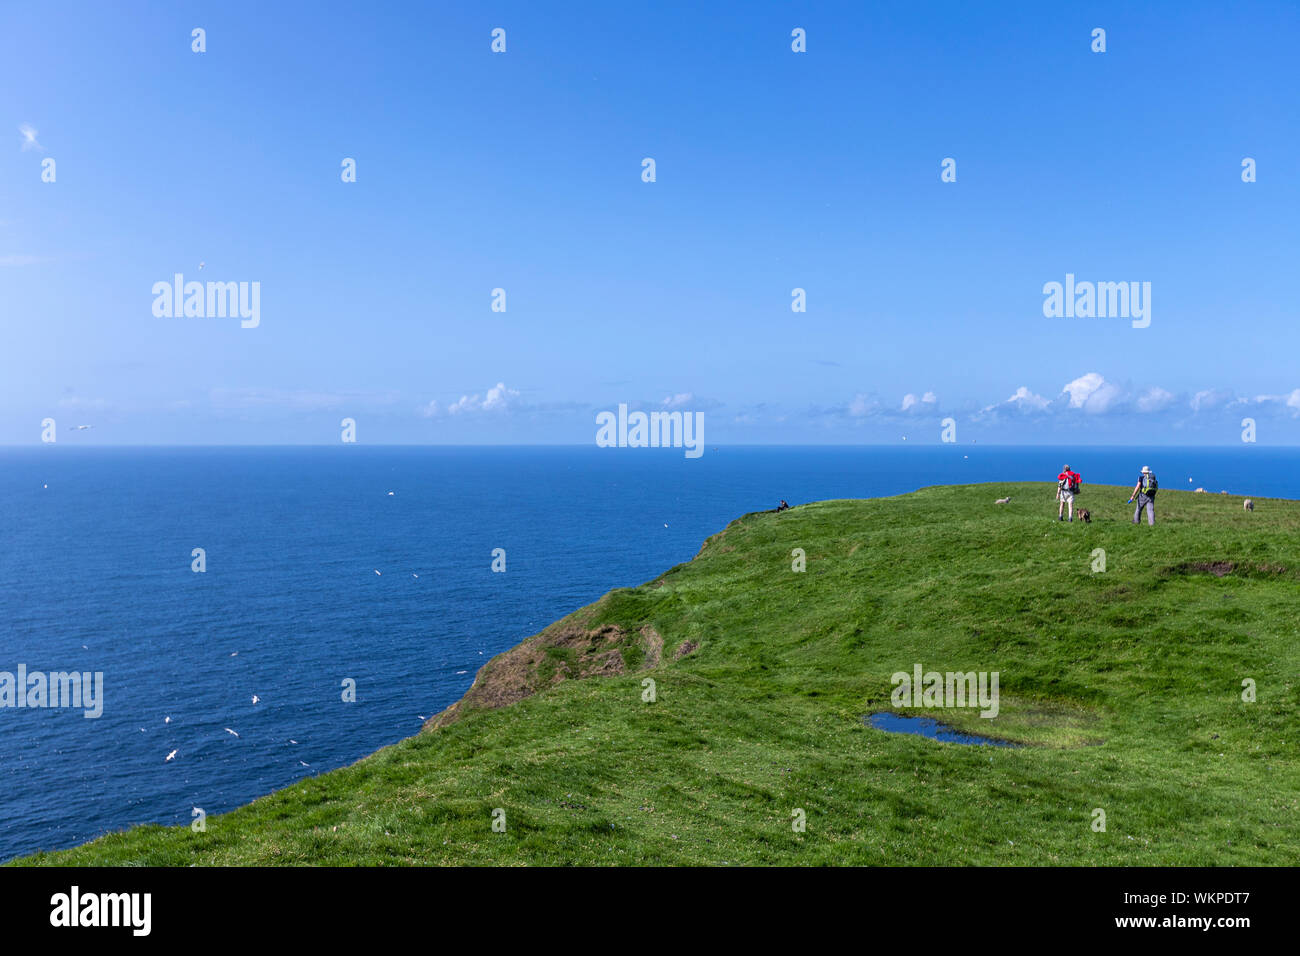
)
(1145, 493)
(1067, 484)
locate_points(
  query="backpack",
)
(1074, 484)
(1149, 485)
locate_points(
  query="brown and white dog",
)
(1085, 515)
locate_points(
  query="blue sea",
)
(95, 575)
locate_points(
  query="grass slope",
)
(1126, 684)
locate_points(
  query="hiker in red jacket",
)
(1067, 486)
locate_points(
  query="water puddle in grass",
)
(929, 727)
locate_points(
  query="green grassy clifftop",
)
(1125, 685)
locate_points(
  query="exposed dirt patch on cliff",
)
(654, 646)
(564, 651)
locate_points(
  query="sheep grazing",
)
(1002, 501)
(1248, 505)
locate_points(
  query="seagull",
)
(462, 672)
(45, 486)
(304, 763)
(229, 731)
(256, 698)
(390, 494)
(422, 717)
(665, 526)
(167, 720)
(416, 576)
(234, 653)
(378, 573)
(169, 756)
(79, 428)
(202, 264)
(292, 741)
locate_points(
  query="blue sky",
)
(523, 171)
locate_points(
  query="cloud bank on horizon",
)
(1087, 409)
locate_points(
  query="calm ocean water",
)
(95, 576)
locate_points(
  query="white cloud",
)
(1021, 400)
(1027, 399)
(29, 138)
(678, 400)
(499, 398)
(1291, 401)
(1108, 397)
(466, 404)
(1209, 398)
(911, 401)
(862, 406)
(1093, 394)
(1155, 399)
(1081, 389)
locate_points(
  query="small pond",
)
(929, 727)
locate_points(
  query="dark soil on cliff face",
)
(564, 651)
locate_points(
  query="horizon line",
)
(336, 444)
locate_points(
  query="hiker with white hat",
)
(1145, 493)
